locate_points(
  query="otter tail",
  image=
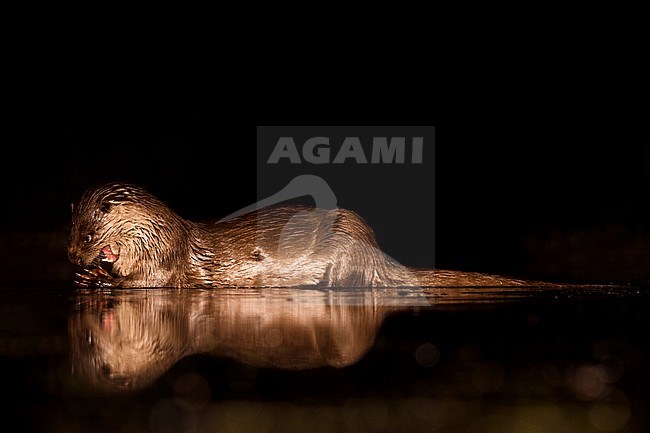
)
(443, 278)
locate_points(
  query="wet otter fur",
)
(123, 236)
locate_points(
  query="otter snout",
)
(73, 255)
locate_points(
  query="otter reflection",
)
(125, 340)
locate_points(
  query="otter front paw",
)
(94, 277)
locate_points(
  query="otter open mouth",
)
(107, 255)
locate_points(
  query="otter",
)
(123, 236)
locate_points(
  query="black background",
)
(534, 194)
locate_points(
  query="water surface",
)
(447, 359)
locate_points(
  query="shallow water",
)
(268, 360)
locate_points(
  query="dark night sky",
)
(519, 193)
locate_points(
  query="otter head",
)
(120, 227)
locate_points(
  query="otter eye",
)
(88, 238)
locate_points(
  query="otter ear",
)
(104, 207)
